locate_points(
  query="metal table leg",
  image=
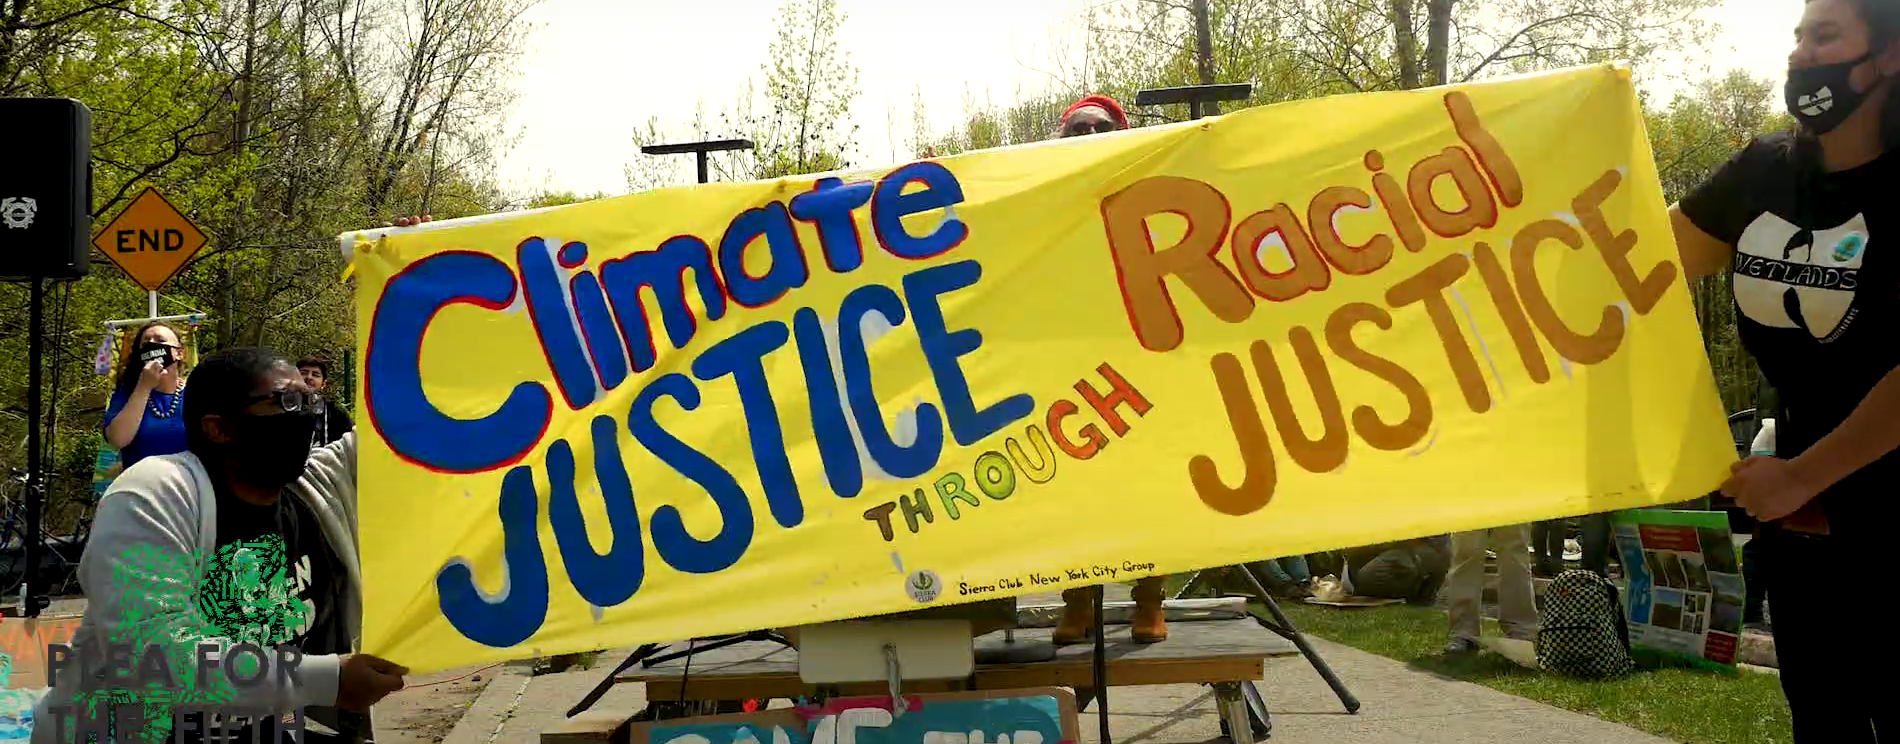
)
(1236, 722)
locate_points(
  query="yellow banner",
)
(1307, 326)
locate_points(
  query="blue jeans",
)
(1285, 572)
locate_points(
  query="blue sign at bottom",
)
(1039, 716)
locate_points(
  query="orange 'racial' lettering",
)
(1464, 119)
(1278, 227)
(1480, 210)
(1323, 213)
(1397, 209)
(1143, 271)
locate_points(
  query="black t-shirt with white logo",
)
(1816, 278)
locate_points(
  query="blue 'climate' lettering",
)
(392, 370)
(596, 332)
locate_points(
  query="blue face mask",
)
(1821, 97)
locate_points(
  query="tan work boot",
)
(1149, 624)
(1078, 618)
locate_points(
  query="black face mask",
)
(1820, 97)
(149, 352)
(272, 451)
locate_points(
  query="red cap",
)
(1113, 108)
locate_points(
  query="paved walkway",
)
(1400, 704)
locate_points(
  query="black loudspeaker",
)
(46, 189)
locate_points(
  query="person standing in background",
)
(1517, 599)
(1596, 544)
(142, 416)
(332, 422)
(1547, 543)
(1097, 114)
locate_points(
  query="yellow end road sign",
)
(151, 240)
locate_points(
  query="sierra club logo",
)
(923, 585)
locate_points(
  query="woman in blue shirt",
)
(143, 419)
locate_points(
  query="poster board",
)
(1030, 716)
(1684, 589)
(106, 466)
(23, 643)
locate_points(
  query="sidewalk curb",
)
(484, 718)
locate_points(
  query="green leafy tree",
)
(273, 125)
(799, 119)
(1691, 137)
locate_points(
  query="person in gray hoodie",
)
(248, 537)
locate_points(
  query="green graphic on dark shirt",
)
(251, 592)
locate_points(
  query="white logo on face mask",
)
(1816, 104)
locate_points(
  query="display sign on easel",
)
(1686, 591)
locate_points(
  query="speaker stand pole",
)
(31, 599)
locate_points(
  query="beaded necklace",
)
(171, 410)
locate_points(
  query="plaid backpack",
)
(1583, 633)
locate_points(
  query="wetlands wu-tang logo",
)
(1816, 103)
(1788, 276)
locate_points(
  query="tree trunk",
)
(1438, 41)
(1203, 59)
(1203, 43)
(241, 134)
(1405, 44)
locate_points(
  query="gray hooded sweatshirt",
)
(153, 537)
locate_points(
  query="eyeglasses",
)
(1079, 128)
(291, 401)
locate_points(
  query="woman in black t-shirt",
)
(1803, 221)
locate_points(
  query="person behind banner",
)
(332, 422)
(1805, 222)
(1286, 578)
(1097, 114)
(1409, 570)
(1547, 543)
(248, 536)
(1517, 594)
(142, 415)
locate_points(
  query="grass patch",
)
(1684, 704)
